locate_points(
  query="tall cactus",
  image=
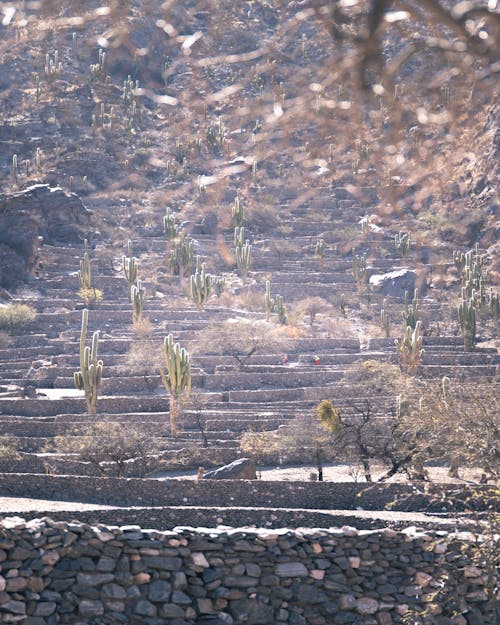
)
(88, 379)
(494, 305)
(384, 319)
(280, 308)
(137, 299)
(176, 378)
(237, 211)
(181, 257)
(244, 258)
(359, 268)
(129, 266)
(319, 252)
(169, 225)
(402, 243)
(467, 317)
(239, 237)
(85, 273)
(268, 300)
(200, 285)
(411, 311)
(409, 348)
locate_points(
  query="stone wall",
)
(55, 572)
(247, 493)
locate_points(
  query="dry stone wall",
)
(56, 572)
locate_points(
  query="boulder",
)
(241, 469)
(37, 212)
(395, 283)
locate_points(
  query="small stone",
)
(205, 606)
(113, 591)
(355, 562)
(45, 608)
(199, 559)
(318, 574)
(347, 602)
(170, 610)
(384, 618)
(16, 584)
(90, 607)
(50, 557)
(347, 530)
(16, 607)
(422, 579)
(367, 605)
(180, 597)
(142, 578)
(144, 608)
(291, 569)
(317, 548)
(159, 590)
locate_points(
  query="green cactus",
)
(244, 258)
(359, 269)
(176, 378)
(411, 311)
(137, 298)
(384, 319)
(129, 266)
(169, 225)
(89, 378)
(268, 301)
(402, 243)
(409, 348)
(280, 308)
(181, 258)
(319, 251)
(237, 212)
(218, 285)
(239, 237)
(365, 221)
(215, 134)
(85, 273)
(200, 285)
(467, 318)
(471, 267)
(494, 305)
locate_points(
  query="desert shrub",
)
(13, 317)
(144, 357)
(8, 448)
(261, 218)
(108, 443)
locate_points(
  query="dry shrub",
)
(13, 317)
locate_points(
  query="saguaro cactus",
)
(244, 258)
(280, 308)
(88, 379)
(169, 224)
(85, 273)
(129, 266)
(402, 242)
(359, 269)
(467, 318)
(137, 298)
(268, 300)
(319, 252)
(409, 349)
(200, 285)
(411, 311)
(237, 212)
(182, 256)
(177, 378)
(384, 319)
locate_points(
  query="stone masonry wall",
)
(248, 493)
(70, 573)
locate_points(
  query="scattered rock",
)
(395, 283)
(241, 469)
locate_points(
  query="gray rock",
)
(91, 607)
(159, 590)
(291, 569)
(114, 591)
(144, 608)
(241, 469)
(170, 610)
(251, 612)
(395, 283)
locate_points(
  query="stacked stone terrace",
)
(262, 396)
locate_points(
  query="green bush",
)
(16, 316)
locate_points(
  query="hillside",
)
(190, 110)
